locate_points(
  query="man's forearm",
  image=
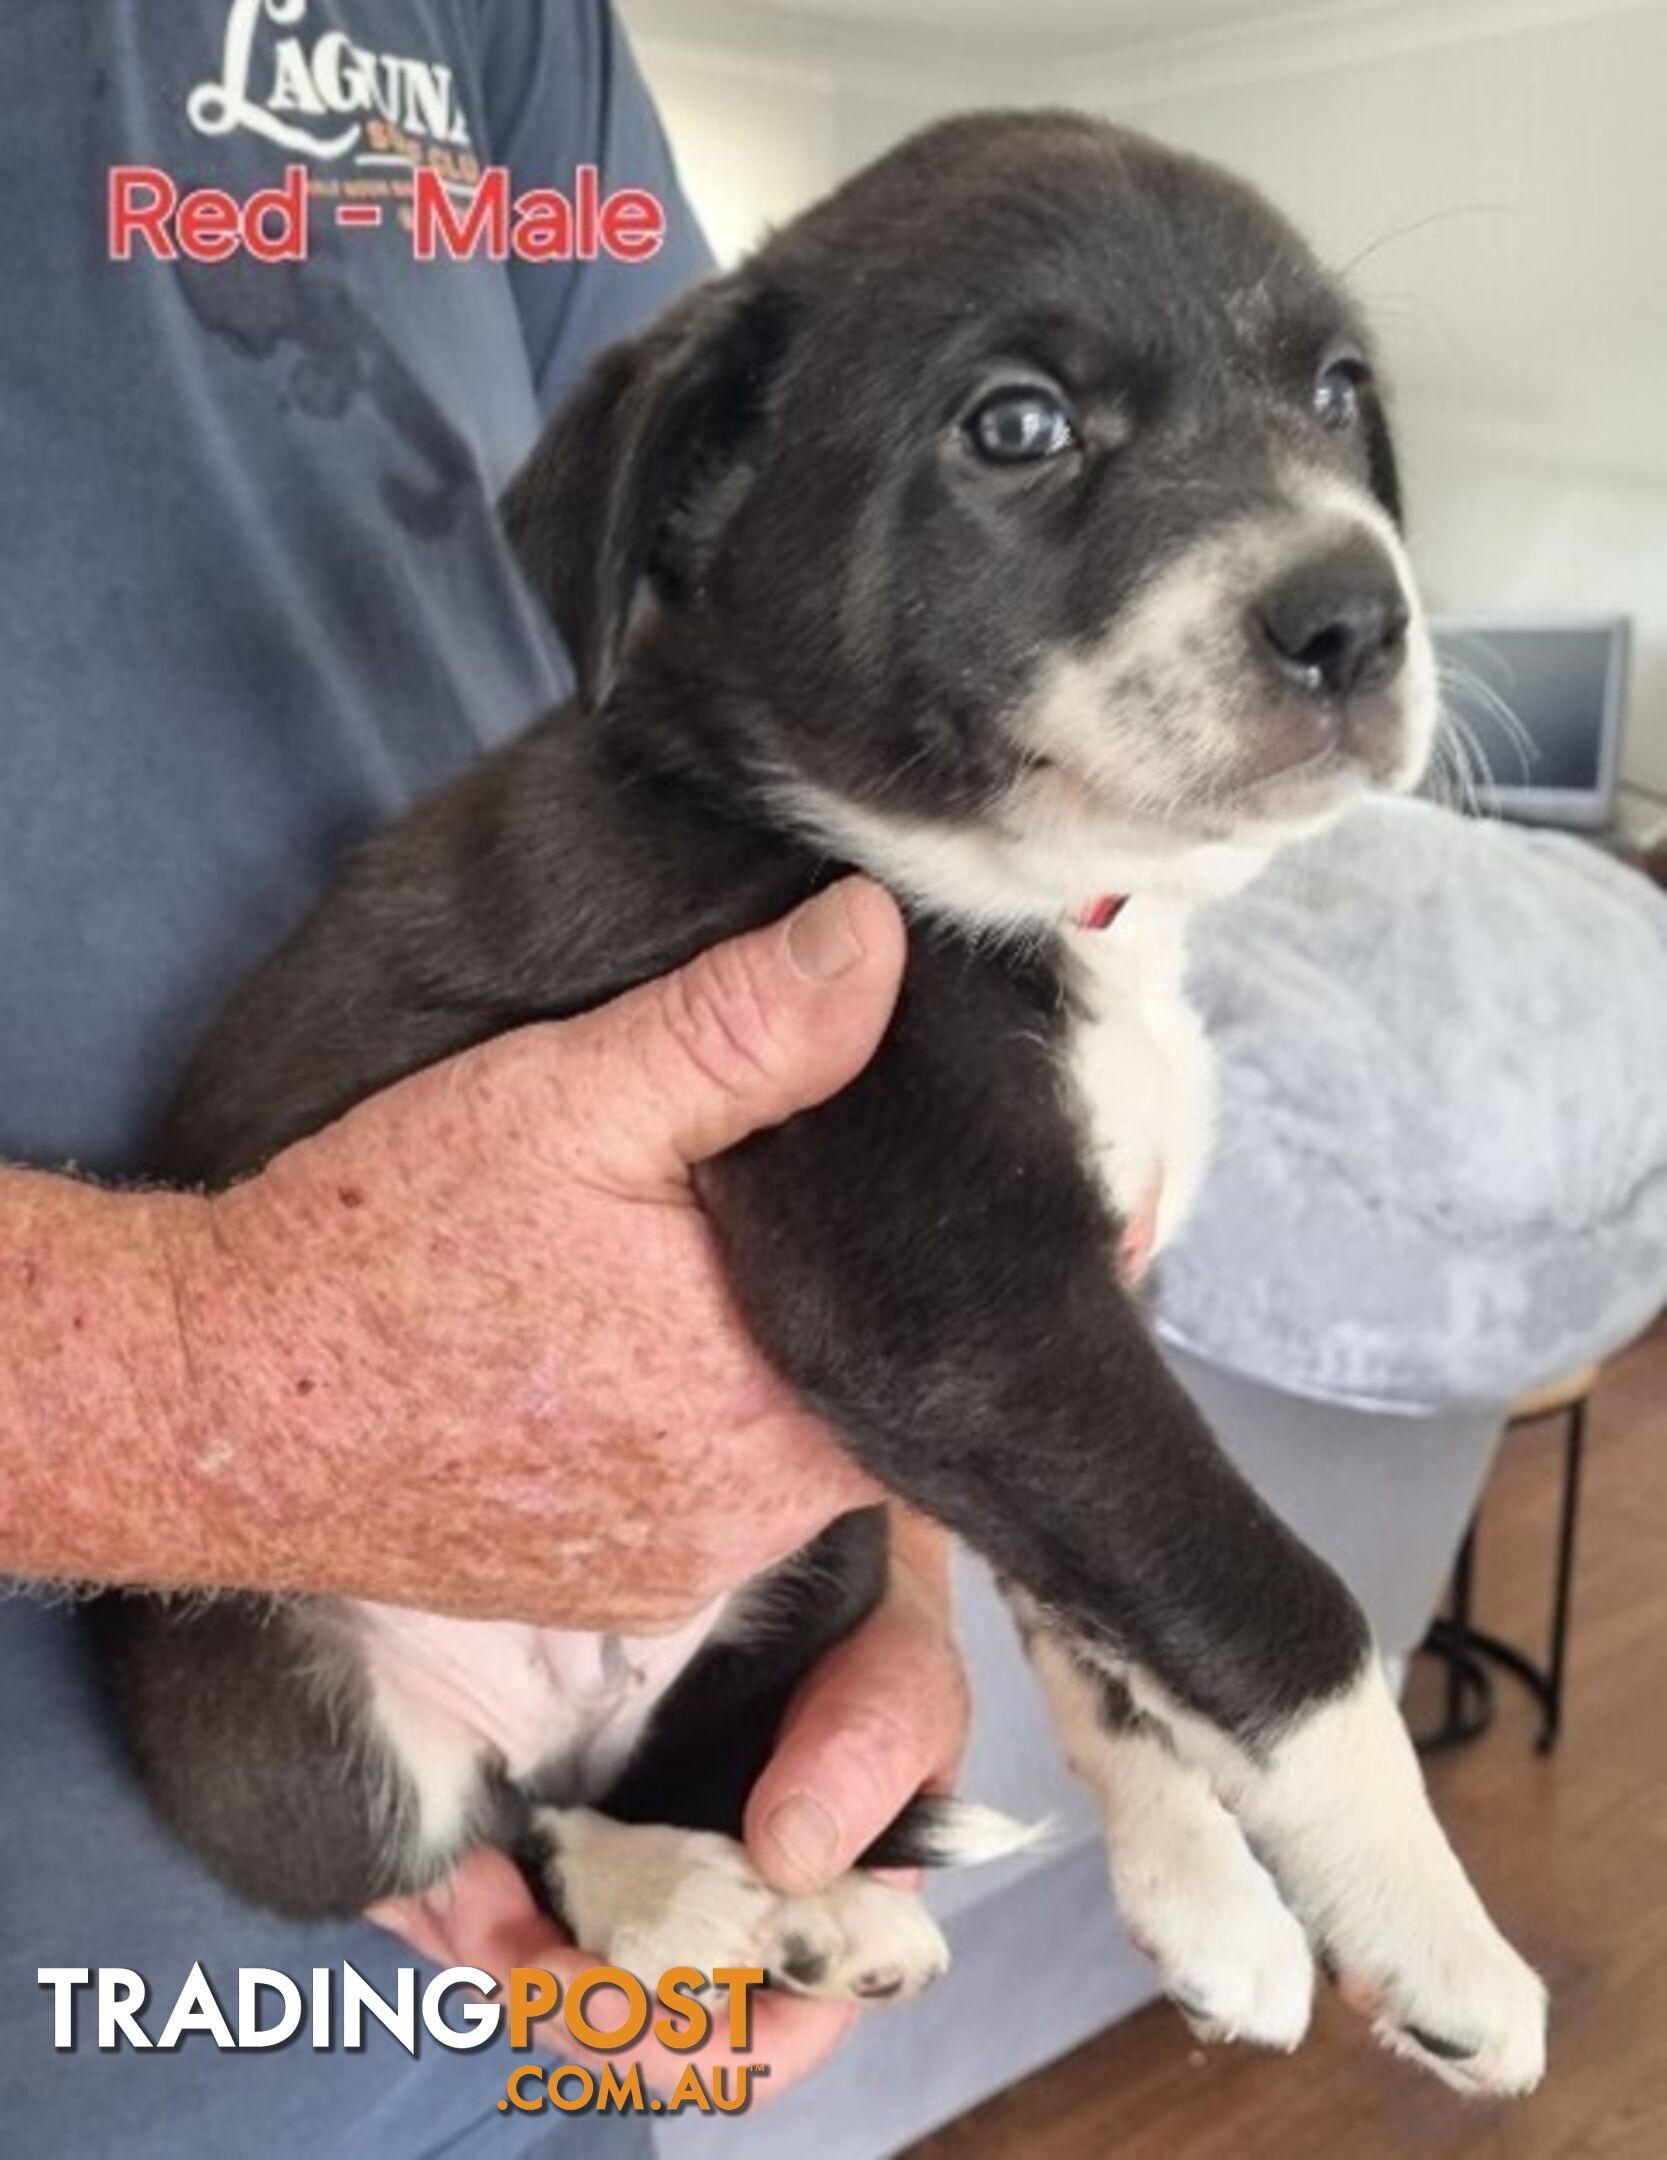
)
(96, 1480)
(470, 1348)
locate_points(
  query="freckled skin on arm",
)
(469, 1348)
(91, 1482)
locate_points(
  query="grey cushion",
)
(1441, 1165)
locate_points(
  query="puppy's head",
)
(1021, 521)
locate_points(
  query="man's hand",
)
(471, 1348)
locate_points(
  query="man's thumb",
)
(748, 1033)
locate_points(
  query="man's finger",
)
(884, 1714)
(741, 1038)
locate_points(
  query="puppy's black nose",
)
(1336, 625)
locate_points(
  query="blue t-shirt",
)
(252, 598)
(252, 601)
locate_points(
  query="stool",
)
(1468, 1652)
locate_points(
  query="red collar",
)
(1100, 914)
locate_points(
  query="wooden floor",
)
(1571, 1854)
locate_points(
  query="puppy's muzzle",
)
(1334, 626)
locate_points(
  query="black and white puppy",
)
(1019, 525)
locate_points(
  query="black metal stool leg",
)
(1468, 1709)
(1468, 1651)
(1574, 1453)
(1458, 1616)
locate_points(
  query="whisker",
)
(1462, 685)
(1418, 225)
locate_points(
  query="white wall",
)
(1499, 166)
(767, 113)
(752, 147)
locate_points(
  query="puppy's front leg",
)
(1192, 1894)
(931, 1264)
(1335, 1803)
(1336, 1808)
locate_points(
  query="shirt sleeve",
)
(563, 89)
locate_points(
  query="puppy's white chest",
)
(1140, 1062)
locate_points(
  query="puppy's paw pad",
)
(860, 1941)
(1453, 2051)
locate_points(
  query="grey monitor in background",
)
(1536, 704)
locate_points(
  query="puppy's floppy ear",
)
(631, 484)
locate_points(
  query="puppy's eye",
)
(1020, 427)
(1337, 393)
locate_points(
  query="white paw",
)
(647, 1898)
(1344, 1819)
(1447, 1991)
(1233, 1960)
